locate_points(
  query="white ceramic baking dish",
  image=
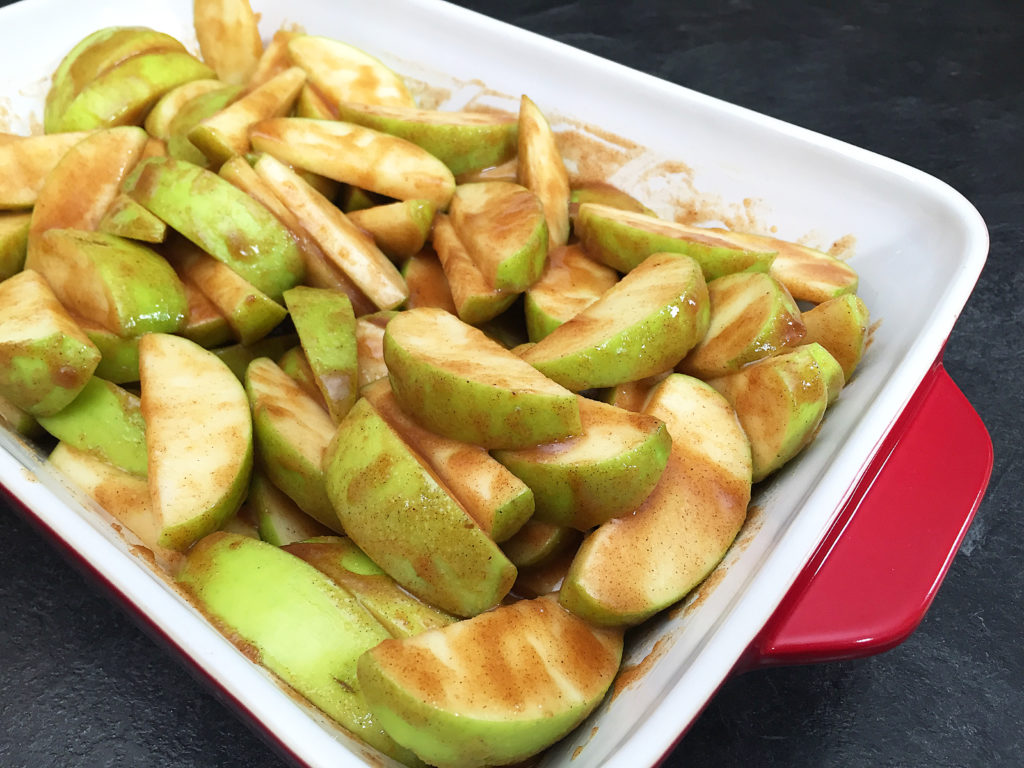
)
(917, 244)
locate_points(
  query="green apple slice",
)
(570, 283)
(229, 38)
(841, 325)
(457, 382)
(127, 218)
(394, 508)
(106, 421)
(464, 141)
(780, 402)
(296, 365)
(355, 155)
(274, 59)
(27, 161)
(475, 298)
(348, 247)
(752, 316)
(831, 370)
(428, 284)
(119, 360)
(643, 325)
(327, 330)
(634, 566)
(605, 472)
(541, 169)
(160, 117)
(399, 229)
(124, 94)
(537, 541)
(226, 133)
(342, 72)
(492, 690)
(222, 220)
(295, 621)
(292, 433)
(45, 357)
(191, 114)
(622, 239)
(311, 103)
(200, 447)
(603, 193)
(13, 242)
(401, 613)
(370, 346)
(118, 283)
(237, 357)
(279, 520)
(19, 421)
(206, 324)
(502, 225)
(494, 497)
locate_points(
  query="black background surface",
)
(939, 86)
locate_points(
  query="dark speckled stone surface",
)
(937, 85)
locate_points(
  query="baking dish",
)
(919, 248)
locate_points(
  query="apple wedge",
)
(295, 621)
(634, 566)
(279, 520)
(370, 346)
(428, 284)
(474, 297)
(274, 59)
(198, 438)
(537, 542)
(492, 690)
(27, 161)
(570, 283)
(126, 218)
(643, 325)
(622, 239)
(394, 508)
(541, 169)
(13, 242)
(457, 382)
(206, 324)
(159, 118)
(119, 360)
(229, 38)
(605, 472)
(296, 365)
(342, 72)
(352, 154)
(841, 325)
(191, 114)
(399, 229)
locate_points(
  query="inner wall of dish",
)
(701, 159)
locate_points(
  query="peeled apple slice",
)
(492, 690)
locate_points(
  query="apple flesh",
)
(541, 169)
(841, 325)
(570, 283)
(279, 521)
(342, 72)
(474, 297)
(229, 38)
(27, 161)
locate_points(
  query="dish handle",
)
(875, 574)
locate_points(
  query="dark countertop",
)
(936, 85)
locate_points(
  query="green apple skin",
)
(294, 363)
(643, 325)
(21, 422)
(570, 283)
(104, 420)
(622, 239)
(119, 361)
(464, 141)
(841, 325)
(536, 542)
(492, 690)
(607, 471)
(457, 382)
(45, 357)
(326, 326)
(123, 94)
(237, 357)
(191, 114)
(780, 401)
(126, 218)
(200, 450)
(390, 504)
(292, 432)
(279, 520)
(117, 283)
(13, 242)
(830, 368)
(402, 614)
(633, 566)
(93, 56)
(399, 229)
(295, 621)
(222, 220)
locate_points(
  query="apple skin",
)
(512, 682)
(393, 508)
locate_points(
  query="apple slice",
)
(536, 542)
(634, 566)
(27, 161)
(570, 283)
(457, 382)
(229, 38)
(542, 170)
(370, 346)
(352, 154)
(399, 229)
(222, 220)
(296, 365)
(394, 508)
(752, 316)
(206, 324)
(342, 72)
(475, 298)
(428, 284)
(293, 620)
(605, 194)
(605, 472)
(127, 218)
(274, 60)
(464, 141)
(292, 433)
(841, 325)
(159, 118)
(120, 354)
(191, 114)
(198, 438)
(279, 520)
(494, 497)
(401, 613)
(47, 358)
(347, 247)
(622, 239)
(492, 690)
(641, 326)
(13, 242)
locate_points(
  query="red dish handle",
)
(873, 577)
